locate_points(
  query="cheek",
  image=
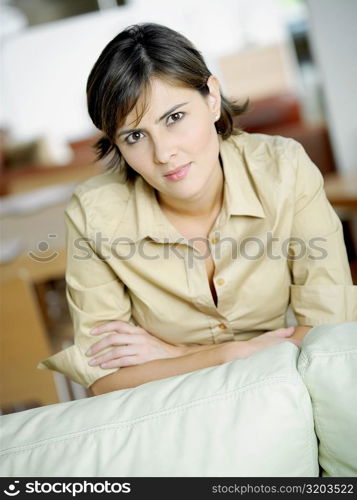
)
(207, 145)
(135, 157)
(201, 139)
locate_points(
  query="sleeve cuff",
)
(323, 304)
(70, 362)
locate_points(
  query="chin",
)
(187, 193)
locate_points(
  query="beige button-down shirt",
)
(277, 241)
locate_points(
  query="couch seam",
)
(319, 430)
(303, 364)
(310, 430)
(329, 353)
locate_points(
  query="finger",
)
(113, 354)
(283, 332)
(110, 340)
(118, 325)
(121, 363)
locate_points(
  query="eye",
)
(133, 138)
(175, 117)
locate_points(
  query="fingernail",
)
(94, 330)
(92, 362)
(89, 352)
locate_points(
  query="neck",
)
(205, 205)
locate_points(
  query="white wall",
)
(334, 43)
(45, 67)
(45, 71)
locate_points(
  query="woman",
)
(187, 253)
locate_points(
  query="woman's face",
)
(175, 145)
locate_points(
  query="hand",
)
(132, 345)
(272, 338)
(243, 349)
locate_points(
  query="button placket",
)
(195, 281)
(223, 332)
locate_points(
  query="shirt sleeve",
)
(95, 295)
(321, 288)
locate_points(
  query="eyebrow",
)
(171, 110)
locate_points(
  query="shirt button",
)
(220, 282)
(214, 240)
(222, 326)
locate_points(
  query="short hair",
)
(123, 72)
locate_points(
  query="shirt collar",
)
(143, 216)
(240, 197)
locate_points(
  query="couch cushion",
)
(250, 417)
(328, 365)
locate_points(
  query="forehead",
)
(156, 98)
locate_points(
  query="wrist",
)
(300, 332)
(196, 348)
(176, 351)
(181, 350)
(235, 350)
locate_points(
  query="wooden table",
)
(24, 339)
(341, 190)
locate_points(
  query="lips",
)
(176, 170)
(178, 173)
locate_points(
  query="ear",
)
(214, 96)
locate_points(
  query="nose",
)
(164, 148)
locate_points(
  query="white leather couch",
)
(256, 417)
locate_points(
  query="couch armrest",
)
(328, 365)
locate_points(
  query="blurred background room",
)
(294, 59)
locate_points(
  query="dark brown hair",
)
(123, 71)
